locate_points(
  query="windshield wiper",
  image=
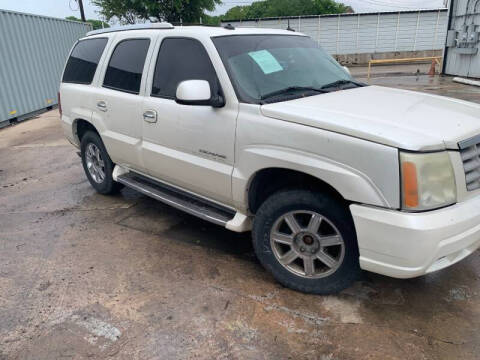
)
(290, 89)
(339, 83)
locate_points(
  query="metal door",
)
(463, 39)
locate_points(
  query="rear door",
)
(119, 96)
(188, 145)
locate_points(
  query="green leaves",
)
(131, 11)
(96, 24)
(276, 8)
(190, 11)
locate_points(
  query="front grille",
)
(470, 152)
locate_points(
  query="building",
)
(33, 51)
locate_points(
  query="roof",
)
(199, 30)
(147, 26)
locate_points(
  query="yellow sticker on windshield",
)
(266, 61)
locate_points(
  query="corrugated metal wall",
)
(367, 32)
(463, 43)
(33, 51)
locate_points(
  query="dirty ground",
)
(87, 276)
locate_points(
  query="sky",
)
(64, 8)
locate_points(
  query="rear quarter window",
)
(83, 61)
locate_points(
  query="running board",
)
(178, 199)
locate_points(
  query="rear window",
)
(83, 61)
(125, 69)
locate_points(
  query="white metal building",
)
(366, 33)
(462, 54)
(33, 51)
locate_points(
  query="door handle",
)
(150, 116)
(102, 105)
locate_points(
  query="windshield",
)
(280, 67)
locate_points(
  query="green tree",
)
(211, 20)
(96, 24)
(129, 11)
(237, 12)
(276, 8)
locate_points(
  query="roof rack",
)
(160, 25)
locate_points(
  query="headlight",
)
(428, 181)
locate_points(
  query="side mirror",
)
(347, 70)
(197, 92)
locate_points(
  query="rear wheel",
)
(97, 164)
(307, 241)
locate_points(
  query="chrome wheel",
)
(307, 244)
(95, 163)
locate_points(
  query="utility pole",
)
(82, 13)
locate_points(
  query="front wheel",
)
(307, 241)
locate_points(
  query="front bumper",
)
(406, 245)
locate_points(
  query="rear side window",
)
(181, 59)
(125, 69)
(83, 61)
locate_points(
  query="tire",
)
(102, 181)
(330, 246)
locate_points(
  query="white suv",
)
(261, 130)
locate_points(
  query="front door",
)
(188, 146)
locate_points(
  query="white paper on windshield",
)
(266, 61)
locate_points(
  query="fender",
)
(351, 183)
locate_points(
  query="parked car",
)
(261, 130)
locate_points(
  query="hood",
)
(403, 119)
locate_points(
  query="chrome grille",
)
(470, 153)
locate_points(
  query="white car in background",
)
(261, 130)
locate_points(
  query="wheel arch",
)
(345, 183)
(258, 162)
(80, 127)
(267, 181)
